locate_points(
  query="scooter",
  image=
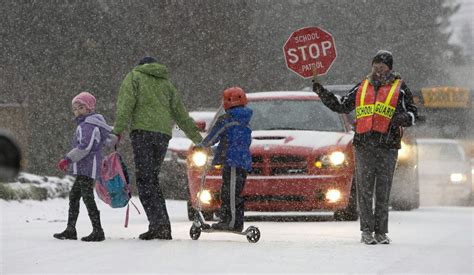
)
(199, 224)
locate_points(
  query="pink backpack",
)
(114, 187)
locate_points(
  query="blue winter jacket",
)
(234, 135)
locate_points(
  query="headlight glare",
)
(458, 177)
(199, 158)
(205, 197)
(337, 158)
(333, 195)
(404, 152)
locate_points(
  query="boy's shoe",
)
(155, 234)
(382, 238)
(367, 238)
(68, 234)
(97, 235)
(224, 226)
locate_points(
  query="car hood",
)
(179, 144)
(312, 140)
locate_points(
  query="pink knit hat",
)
(86, 99)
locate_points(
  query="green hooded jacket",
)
(148, 101)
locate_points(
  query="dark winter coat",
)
(234, 135)
(405, 113)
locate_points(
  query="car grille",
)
(286, 159)
(257, 159)
(274, 198)
(279, 165)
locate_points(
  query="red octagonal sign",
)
(308, 47)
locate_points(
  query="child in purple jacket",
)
(84, 162)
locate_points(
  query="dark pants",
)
(83, 187)
(374, 170)
(232, 208)
(149, 149)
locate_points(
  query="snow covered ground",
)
(429, 240)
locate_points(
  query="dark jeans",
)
(149, 149)
(232, 208)
(83, 187)
(374, 170)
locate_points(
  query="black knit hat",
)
(146, 60)
(385, 57)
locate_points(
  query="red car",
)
(302, 159)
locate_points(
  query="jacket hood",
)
(241, 114)
(154, 69)
(98, 120)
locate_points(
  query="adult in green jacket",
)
(149, 105)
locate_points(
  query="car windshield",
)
(440, 151)
(283, 114)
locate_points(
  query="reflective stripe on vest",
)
(374, 114)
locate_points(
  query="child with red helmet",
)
(233, 134)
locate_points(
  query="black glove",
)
(401, 119)
(317, 88)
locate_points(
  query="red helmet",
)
(234, 96)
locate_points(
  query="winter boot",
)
(367, 238)
(97, 235)
(68, 234)
(162, 232)
(382, 238)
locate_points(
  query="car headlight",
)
(333, 195)
(404, 152)
(337, 158)
(458, 177)
(333, 159)
(205, 196)
(199, 158)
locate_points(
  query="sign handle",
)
(315, 74)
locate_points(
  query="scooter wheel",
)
(195, 232)
(253, 235)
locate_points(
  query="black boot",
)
(162, 232)
(97, 235)
(68, 234)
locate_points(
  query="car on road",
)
(444, 172)
(173, 179)
(302, 160)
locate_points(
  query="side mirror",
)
(201, 125)
(10, 158)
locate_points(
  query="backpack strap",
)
(127, 212)
(127, 215)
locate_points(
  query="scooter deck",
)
(212, 230)
(252, 232)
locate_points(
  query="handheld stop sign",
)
(308, 48)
